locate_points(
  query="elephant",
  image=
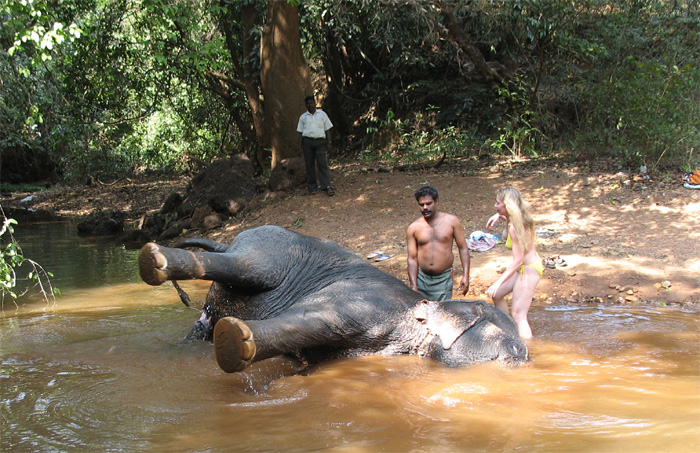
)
(277, 292)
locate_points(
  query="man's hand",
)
(463, 288)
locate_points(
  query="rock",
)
(287, 174)
(226, 185)
(171, 203)
(108, 222)
(227, 205)
(174, 229)
(198, 216)
(211, 222)
(135, 239)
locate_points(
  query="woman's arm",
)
(494, 219)
(518, 259)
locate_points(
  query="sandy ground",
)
(625, 239)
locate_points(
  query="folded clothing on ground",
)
(480, 242)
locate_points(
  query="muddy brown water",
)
(104, 369)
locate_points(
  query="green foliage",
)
(651, 111)
(113, 88)
(35, 31)
(640, 100)
(12, 259)
(410, 143)
(5, 187)
(519, 133)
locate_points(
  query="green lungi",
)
(435, 287)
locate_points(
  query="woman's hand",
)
(493, 220)
(491, 292)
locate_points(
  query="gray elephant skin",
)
(277, 292)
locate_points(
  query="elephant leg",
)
(238, 343)
(157, 264)
(234, 345)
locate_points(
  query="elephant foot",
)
(233, 344)
(152, 264)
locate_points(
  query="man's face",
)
(311, 105)
(428, 206)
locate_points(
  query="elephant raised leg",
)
(238, 343)
(157, 264)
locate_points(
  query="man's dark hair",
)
(308, 98)
(427, 191)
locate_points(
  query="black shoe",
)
(330, 191)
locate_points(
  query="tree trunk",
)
(243, 80)
(456, 34)
(285, 78)
(252, 92)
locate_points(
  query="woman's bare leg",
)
(523, 291)
(505, 289)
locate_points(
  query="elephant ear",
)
(448, 325)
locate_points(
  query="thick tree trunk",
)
(245, 81)
(256, 107)
(456, 34)
(285, 78)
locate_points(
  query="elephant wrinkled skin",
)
(278, 292)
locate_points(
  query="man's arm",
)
(301, 150)
(412, 260)
(461, 242)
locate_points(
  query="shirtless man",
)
(429, 240)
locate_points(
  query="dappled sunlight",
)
(610, 268)
(689, 209)
(602, 227)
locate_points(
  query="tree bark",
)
(285, 78)
(456, 34)
(245, 81)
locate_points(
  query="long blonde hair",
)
(519, 216)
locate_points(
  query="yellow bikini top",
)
(509, 242)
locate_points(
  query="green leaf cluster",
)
(115, 88)
(12, 259)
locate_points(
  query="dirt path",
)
(625, 240)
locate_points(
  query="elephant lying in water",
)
(277, 292)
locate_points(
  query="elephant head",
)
(463, 332)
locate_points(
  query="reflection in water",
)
(75, 262)
(105, 370)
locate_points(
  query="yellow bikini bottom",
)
(536, 265)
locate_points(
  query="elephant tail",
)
(208, 245)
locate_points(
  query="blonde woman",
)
(525, 271)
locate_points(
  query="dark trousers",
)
(315, 156)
